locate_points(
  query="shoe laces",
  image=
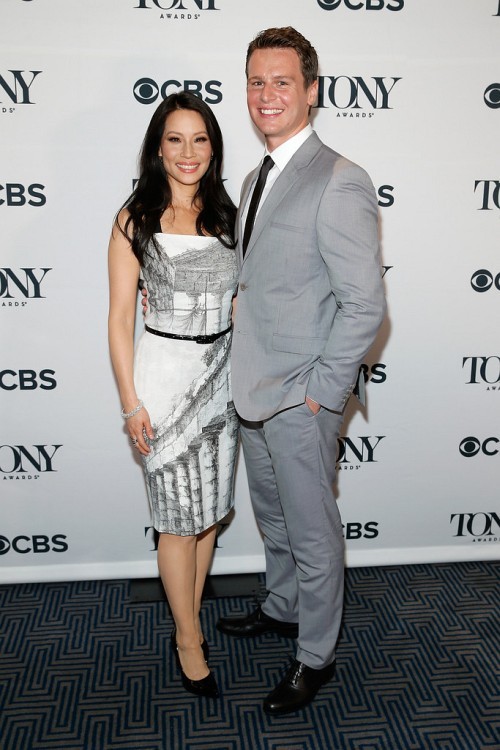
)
(296, 672)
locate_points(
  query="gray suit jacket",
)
(310, 297)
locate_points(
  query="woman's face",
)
(185, 147)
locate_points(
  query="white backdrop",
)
(410, 90)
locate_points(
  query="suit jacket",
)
(310, 298)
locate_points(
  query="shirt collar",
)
(282, 155)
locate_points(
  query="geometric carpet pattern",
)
(82, 666)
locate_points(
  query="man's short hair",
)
(288, 38)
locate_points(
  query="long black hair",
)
(152, 193)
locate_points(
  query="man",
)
(310, 302)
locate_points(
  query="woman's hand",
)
(144, 301)
(138, 426)
(233, 309)
(313, 405)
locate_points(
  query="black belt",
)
(209, 339)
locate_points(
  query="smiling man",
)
(309, 305)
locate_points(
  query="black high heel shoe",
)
(207, 687)
(204, 644)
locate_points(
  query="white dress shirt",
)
(280, 156)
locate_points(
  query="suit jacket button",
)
(242, 287)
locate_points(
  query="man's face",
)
(277, 99)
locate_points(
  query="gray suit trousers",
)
(290, 462)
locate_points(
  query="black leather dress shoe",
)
(256, 623)
(298, 688)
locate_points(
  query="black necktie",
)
(266, 167)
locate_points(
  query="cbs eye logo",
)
(471, 446)
(147, 90)
(492, 96)
(482, 280)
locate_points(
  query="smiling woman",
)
(175, 232)
(185, 148)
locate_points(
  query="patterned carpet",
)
(84, 666)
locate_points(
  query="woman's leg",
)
(204, 555)
(183, 562)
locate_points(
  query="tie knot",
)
(267, 165)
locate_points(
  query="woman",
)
(176, 233)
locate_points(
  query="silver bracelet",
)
(133, 412)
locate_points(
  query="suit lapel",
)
(244, 196)
(285, 181)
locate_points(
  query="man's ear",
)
(312, 94)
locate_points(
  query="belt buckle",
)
(208, 339)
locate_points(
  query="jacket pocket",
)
(288, 227)
(298, 344)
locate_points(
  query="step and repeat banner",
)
(409, 89)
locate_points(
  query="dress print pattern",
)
(185, 386)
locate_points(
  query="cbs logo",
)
(492, 96)
(37, 543)
(147, 90)
(18, 195)
(367, 5)
(358, 531)
(482, 280)
(471, 446)
(27, 380)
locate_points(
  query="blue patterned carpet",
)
(82, 666)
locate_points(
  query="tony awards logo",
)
(356, 96)
(478, 527)
(15, 89)
(19, 461)
(489, 191)
(352, 452)
(483, 371)
(179, 10)
(19, 285)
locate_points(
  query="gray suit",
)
(310, 303)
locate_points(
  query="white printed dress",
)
(185, 386)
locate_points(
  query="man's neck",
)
(273, 143)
